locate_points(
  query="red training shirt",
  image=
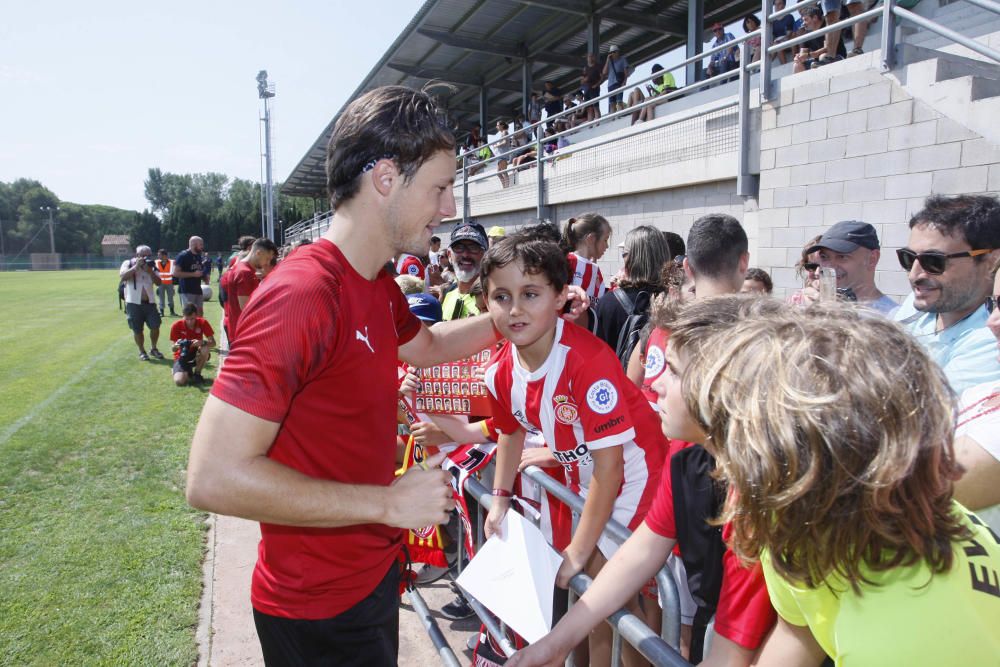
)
(410, 265)
(317, 352)
(241, 280)
(180, 330)
(744, 614)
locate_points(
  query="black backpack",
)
(631, 331)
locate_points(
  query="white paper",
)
(514, 576)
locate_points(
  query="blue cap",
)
(425, 306)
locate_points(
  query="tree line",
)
(211, 205)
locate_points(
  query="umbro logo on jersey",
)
(611, 423)
(364, 338)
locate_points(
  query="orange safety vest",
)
(164, 268)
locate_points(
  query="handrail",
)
(433, 630)
(819, 32)
(631, 628)
(948, 33)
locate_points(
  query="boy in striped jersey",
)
(556, 379)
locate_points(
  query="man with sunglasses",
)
(953, 247)
(852, 249)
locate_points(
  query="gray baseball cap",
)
(846, 237)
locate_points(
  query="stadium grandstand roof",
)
(480, 47)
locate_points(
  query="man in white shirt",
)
(139, 276)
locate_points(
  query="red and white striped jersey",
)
(587, 275)
(409, 265)
(580, 400)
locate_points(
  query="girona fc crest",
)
(424, 533)
(566, 412)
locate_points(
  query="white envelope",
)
(514, 576)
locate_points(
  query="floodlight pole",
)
(52, 234)
(265, 92)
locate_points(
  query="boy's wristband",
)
(502, 493)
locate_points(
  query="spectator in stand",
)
(244, 244)
(243, 279)
(833, 432)
(953, 246)
(832, 40)
(852, 249)
(750, 24)
(812, 53)
(784, 29)
(553, 101)
(535, 107)
(658, 86)
(188, 269)
(757, 281)
(192, 339)
(615, 72)
(977, 437)
(165, 290)
(721, 61)
(503, 146)
(139, 276)
(645, 253)
(807, 268)
(590, 86)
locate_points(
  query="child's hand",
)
(494, 520)
(543, 653)
(537, 456)
(579, 302)
(428, 434)
(408, 387)
(572, 563)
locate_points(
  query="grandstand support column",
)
(525, 87)
(765, 44)
(888, 36)
(695, 30)
(746, 183)
(466, 207)
(484, 110)
(540, 196)
(594, 35)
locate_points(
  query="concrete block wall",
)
(845, 142)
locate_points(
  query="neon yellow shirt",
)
(451, 310)
(911, 618)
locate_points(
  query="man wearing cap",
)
(468, 243)
(425, 307)
(495, 233)
(725, 60)
(616, 72)
(851, 247)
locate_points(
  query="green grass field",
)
(100, 556)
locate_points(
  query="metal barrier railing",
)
(628, 626)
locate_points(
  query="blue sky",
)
(93, 94)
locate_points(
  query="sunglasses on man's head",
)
(933, 262)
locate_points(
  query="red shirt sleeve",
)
(206, 328)
(243, 282)
(407, 324)
(744, 614)
(660, 517)
(602, 407)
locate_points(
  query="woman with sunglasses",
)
(807, 268)
(977, 436)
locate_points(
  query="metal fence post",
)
(465, 188)
(540, 151)
(765, 57)
(888, 36)
(745, 182)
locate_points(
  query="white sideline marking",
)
(9, 432)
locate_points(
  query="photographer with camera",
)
(852, 249)
(139, 276)
(193, 338)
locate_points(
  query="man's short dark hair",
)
(245, 242)
(190, 309)
(264, 244)
(535, 251)
(675, 243)
(715, 244)
(435, 239)
(162, 251)
(389, 122)
(761, 276)
(976, 218)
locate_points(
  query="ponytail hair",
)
(576, 229)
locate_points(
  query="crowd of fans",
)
(820, 474)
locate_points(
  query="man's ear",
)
(688, 271)
(744, 263)
(383, 175)
(873, 258)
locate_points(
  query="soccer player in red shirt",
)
(559, 380)
(192, 338)
(299, 431)
(241, 281)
